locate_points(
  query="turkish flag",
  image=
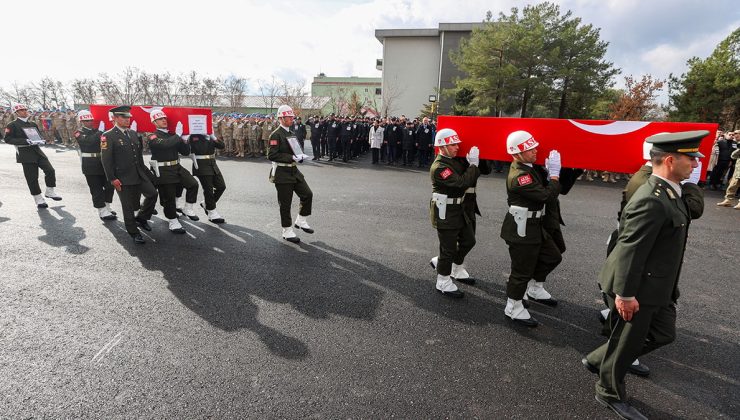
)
(614, 146)
(141, 114)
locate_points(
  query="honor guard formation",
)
(638, 281)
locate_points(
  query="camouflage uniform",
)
(227, 131)
(71, 125)
(239, 137)
(267, 129)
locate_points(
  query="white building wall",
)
(410, 73)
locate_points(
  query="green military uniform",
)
(450, 177)
(470, 204)
(286, 176)
(30, 156)
(92, 167)
(645, 265)
(534, 254)
(122, 160)
(239, 138)
(267, 129)
(71, 125)
(166, 148)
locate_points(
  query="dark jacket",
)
(200, 146)
(89, 141)
(121, 156)
(24, 152)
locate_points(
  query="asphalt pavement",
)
(232, 321)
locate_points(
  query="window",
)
(377, 91)
(365, 90)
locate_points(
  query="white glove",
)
(185, 138)
(473, 156)
(298, 159)
(101, 126)
(213, 137)
(553, 164)
(695, 175)
(133, 126)
(178, 128)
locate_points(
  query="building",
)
(416, 65)
(365, 90)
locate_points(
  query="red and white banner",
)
(141, 115)
(614, 146)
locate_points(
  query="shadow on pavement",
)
(61, 231)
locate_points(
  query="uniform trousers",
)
(129, 196)
(285, 198)
(168, 193)
(346, 152)
(531, 261)
(213, 187)
(100, 189)
(332, 148)
(254, 147)
(650, 328)
(323, 147)
(31, 172)
(454, 245)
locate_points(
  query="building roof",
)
(380, 34)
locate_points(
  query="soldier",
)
(334, 128)
(316, 131)
(30, 156)
(165, 148)
(267, 129)
(346, 137)
(640, 276)
(534, 253)
(324, 137)
(207, 171)
(57, 126)
(71, 126)
(408, 143)
(454, 230)
(88, 138)
(286, 176)
(300, 131)
(120, 150)
(255, 134)
(239, 139)
(227, 133)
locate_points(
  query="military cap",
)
(686, 142)
(121, 111)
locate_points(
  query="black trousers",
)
(531, 261)
(650, 328)
(168, 193)
(408, 156)
(454, 245)
(423, 157)
(383, 151)
(129, 196)
(332, 148)
(323, 146)
(100, 189)
(346, 153)
(718, 172)
(285, 199)
(376, 154)
(31, 172)
(316, 147)
(213, 187)
(391, 153)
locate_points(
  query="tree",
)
(84, 91)
(637, 101)
(269, 92)
(710, 90)
(537, 61)
(235, 89)
(293, 94)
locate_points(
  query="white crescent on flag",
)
(151, 109)
(612, 129)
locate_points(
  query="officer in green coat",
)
(450, 180)
(286, 176)
(640, 276)
(29, 154)
(534, 253)
(88, 138)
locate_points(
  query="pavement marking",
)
(100, 355)
(232, 236)
(246, 233)
(218, 250)
(713, 374)
(192, 225)
(341, 257)
(190, 234)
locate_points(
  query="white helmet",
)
(445, 137)
(285, 111)
(85, 115)
(520, 141)
(155, 115)
(19, 107)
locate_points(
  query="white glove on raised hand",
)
(101, 126)
(178, 128)
(473, 156)
(553, 164)
(695, 175)
(298, 159)
(133, 126)
(185, 138)
(213, 137)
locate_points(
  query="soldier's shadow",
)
(3, 219)
(61, 231)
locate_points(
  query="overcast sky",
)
(299, 39)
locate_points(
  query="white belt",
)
(92, 155)
(169, 163)
(283, 164)
(205, 156)
(470, 190)
(457, 200)
(536, 214)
